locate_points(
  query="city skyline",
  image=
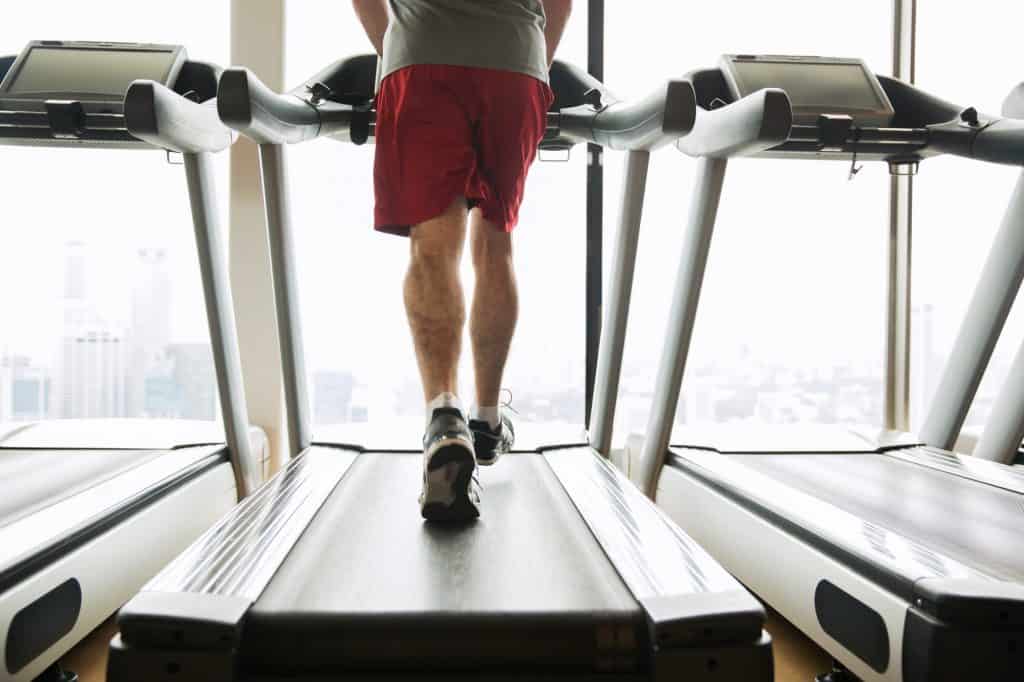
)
(134, 370)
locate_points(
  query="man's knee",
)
(435, 254)
(439, 240)
(491, 248)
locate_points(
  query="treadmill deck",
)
(369, 579)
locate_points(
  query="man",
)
(461, 109)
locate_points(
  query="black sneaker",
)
(489, 443)
(451, 491)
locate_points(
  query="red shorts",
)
(449, 131)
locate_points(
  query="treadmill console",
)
(816, 86)
(85, 72)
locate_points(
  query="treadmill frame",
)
(900, 634)
(178, 505)
(130, 510)
(700, 624)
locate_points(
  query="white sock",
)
(491, 415)
(443, 400)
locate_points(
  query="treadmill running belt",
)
(369, 583)
(36, 479)
(977, 524)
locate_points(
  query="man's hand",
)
(373, 15)
(557, 12)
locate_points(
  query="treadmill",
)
(903, 560)
(329, 572)
(93, 509)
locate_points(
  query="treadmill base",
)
(700, 664)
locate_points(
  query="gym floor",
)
(797, 659)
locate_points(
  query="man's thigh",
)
(425, 148)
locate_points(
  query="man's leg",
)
(494, 313)
(436, 311)
(434, 300)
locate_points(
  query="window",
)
(791, 320)
(99, 284)
(959, 203)
(359, 352)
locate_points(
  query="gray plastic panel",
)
(995, 474)
(652, 554)
(688, 598)
(892, 559)
(952, 521)
(36, 479)
(371, 584)
(238, 556)
(94, 503)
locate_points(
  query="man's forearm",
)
(557, 12)
(373, 15)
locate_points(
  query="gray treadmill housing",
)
(814, 506)
(64, 530)
(922, 126)
(91, 119)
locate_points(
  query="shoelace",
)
(508, 403)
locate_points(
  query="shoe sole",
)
(492, 457)
(447, 481)
(488, 461)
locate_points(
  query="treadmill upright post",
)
(286, 295)
(220, 315)
(986, 314)
(613, 333)
(1002, 437)
(685, 300)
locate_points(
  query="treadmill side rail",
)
(189, 617)
(692, 605)
(969, 467)
(239, 555)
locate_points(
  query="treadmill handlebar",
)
(649, 123)
(1013, 105)
(338, 101)
(923, 125)
(247, 105)
(751, 125)
(165, 119)
(995, 141)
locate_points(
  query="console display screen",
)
(87, 71)
(817, 85)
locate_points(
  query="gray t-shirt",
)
(492, 34)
